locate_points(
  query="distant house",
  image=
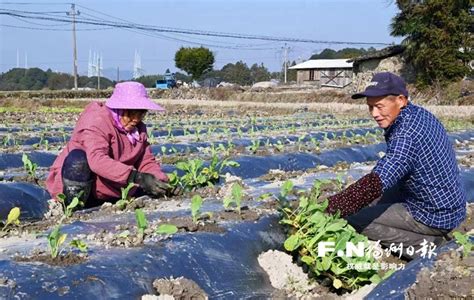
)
(335, 73)
(388, 59)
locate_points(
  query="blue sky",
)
(323, 20)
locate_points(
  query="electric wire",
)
(149, 28)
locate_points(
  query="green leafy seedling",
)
(340, 181)
(279, 146)
(309, 224)
(264, 196)
(255, 145)
(173, 179)
(167, 229)
(236, 197)
(80, 245)
(285, 190)
(55, 241)
(196, 203)
(463, 240)
(13, 218)
(68, 209)
(142, 223)
(29, 166)
(124, 200)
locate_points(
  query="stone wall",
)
(365, 70)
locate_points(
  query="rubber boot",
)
(77, 176)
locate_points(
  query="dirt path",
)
(360, 108)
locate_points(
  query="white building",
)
(336, 73)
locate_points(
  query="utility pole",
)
(285, 64)
(26, 62)
(73, 14)
(118, 74)
(98, 73)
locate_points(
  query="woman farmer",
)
(108, 150)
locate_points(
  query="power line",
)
(165, 37)
(191, 32)
(240, 47)
(34, 12)
(36, 3)
(98, 12)
(188, 36)
(54, 29)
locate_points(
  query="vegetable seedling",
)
(68, 209)
(142, 223)
(309, 225)
(279, 146)
(55, 241)
(464, 241)
(255, 145)
(12, 218)
(285, 190)
(340, 182)
(79, 244)
(196, 203)
(124, 200)
(29, 166)
(167, 229)
(235, 197)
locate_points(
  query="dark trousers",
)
(392, 223)
(78, 177)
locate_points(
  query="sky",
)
(48, 44)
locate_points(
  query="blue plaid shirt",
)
(421, 159)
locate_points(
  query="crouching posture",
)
(108, 149)
(419, 161)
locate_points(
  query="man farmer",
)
(419, 161)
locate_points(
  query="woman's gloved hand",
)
(149, 183)
(176, 191)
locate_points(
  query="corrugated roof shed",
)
(323, 64)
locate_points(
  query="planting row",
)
(197, 173)
(195, 256)
(48, 135)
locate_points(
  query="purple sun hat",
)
(131, 95)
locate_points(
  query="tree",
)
(194, 61)
(325, 54)
(343, 53)
(149, 81)
(437, 38)
(59, 81)
(237, 73)
(182, 77)
(259, 73)
(291, 74)
(353, 52)
(23, 79)
(91, 82)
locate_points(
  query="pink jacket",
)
(110, 154)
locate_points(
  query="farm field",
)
(251, 173)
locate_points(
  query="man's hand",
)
(150, 184)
